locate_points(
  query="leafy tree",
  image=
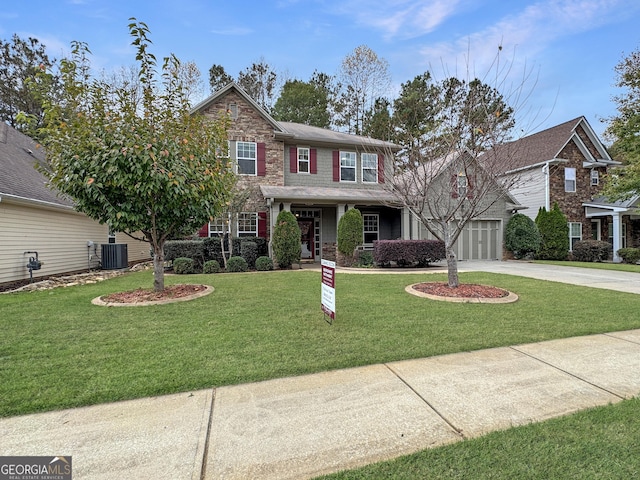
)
(24, 62)
(286, 241)
(149, 168)
(554, 234)
(303, 102)
(259, 81)
(378, 122)
(624, 130)
(218, 77)
(364, 77)
(521, 236)
(448, 173)
(350, 228)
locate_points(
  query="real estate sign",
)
(329, 288)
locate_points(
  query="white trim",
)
(354, 167)
(375, 167)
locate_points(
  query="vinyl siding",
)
(531, 192)
(60, 238)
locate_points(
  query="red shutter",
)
(262, 224)
(454, 186)
(380, 168)
(470, 187)
(262, 160)
(313, 160)
(293, 160)
(336, 166)
(204, 231)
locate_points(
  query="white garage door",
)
(480, 240)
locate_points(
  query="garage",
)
(480, 240)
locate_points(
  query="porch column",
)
(416, 228)
(617, 236)
(405, 224)
(339, 213)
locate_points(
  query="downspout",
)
(545, 172)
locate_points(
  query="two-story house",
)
(315, 173)
(565, 164)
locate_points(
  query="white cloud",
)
(233, 31)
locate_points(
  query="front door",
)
(306, 237)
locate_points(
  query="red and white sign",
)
(329, 288)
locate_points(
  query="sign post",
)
(328, 298)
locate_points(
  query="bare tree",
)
(451, 170)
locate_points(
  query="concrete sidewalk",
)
(300, 427)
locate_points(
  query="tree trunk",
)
(452, 268)
(158, 268)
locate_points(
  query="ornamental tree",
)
(144, 165)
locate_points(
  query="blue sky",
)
(569, 47)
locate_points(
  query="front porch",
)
(619, 220)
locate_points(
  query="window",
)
(569, 179)
(246, 158)
(575, 234)
(233, 110)
(347, 166)
(623, 240)
(371, 227)
(462, 185)
(218, 226)
(369, 168)
(111, 236)
(595, 177)
(248, 224)
(303, 160)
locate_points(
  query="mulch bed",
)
(464, 290)
(148, 295)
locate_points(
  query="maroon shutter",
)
(262, 224)
(336, 166)
(380, 168)
(293, 160)
(454, 186)
(470, 187)
(204, 231)
(262, 160)
(313, 160)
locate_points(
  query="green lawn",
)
(58, 350)
(621, 267)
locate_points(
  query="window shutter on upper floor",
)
(470, 187)
(313, 160)
(204, 231)
(262, 160)
(293, 160)
(336, 166)
(380, 168)
(454, 186)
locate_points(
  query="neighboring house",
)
(315, 173)
(565, 164)
(33, 218)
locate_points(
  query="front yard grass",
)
(57, 350)
(621, 267)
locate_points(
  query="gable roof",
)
(298, 132)
(19, 179)
(548, 144)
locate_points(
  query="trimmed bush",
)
(364, 258)
(249, 251)
(183, 265)
(350, 228)
(591, 251)
(264, 264)
(211, 266)
(408, 252)
(193, 249)
(213, 250)
(236, 245)
(522, 236)
(237, 264)
(286, 245)
(629, 255)
(554, 234)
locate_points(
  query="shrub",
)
(264, 263)
(211, 266)
(236, 245)
(350, 228)
(591, 251)
(193, 249)
(629, 255)
(213, 249)
(183, 265)
(249, 251)
(286, 240)
(364, 258)
(522, 236)
(237, 264)
(408, 252)
(554, 234)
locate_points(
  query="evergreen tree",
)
(286, 241)
(554, 234)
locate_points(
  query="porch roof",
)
(327, 195)
(600, 206)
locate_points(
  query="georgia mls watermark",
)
(35, 468)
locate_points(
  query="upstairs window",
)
(462, 184)
(347, 166)
(246, 158)
(369, 168)
(569, 179)
(233, 110)
(303, 160)
(595, 177)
